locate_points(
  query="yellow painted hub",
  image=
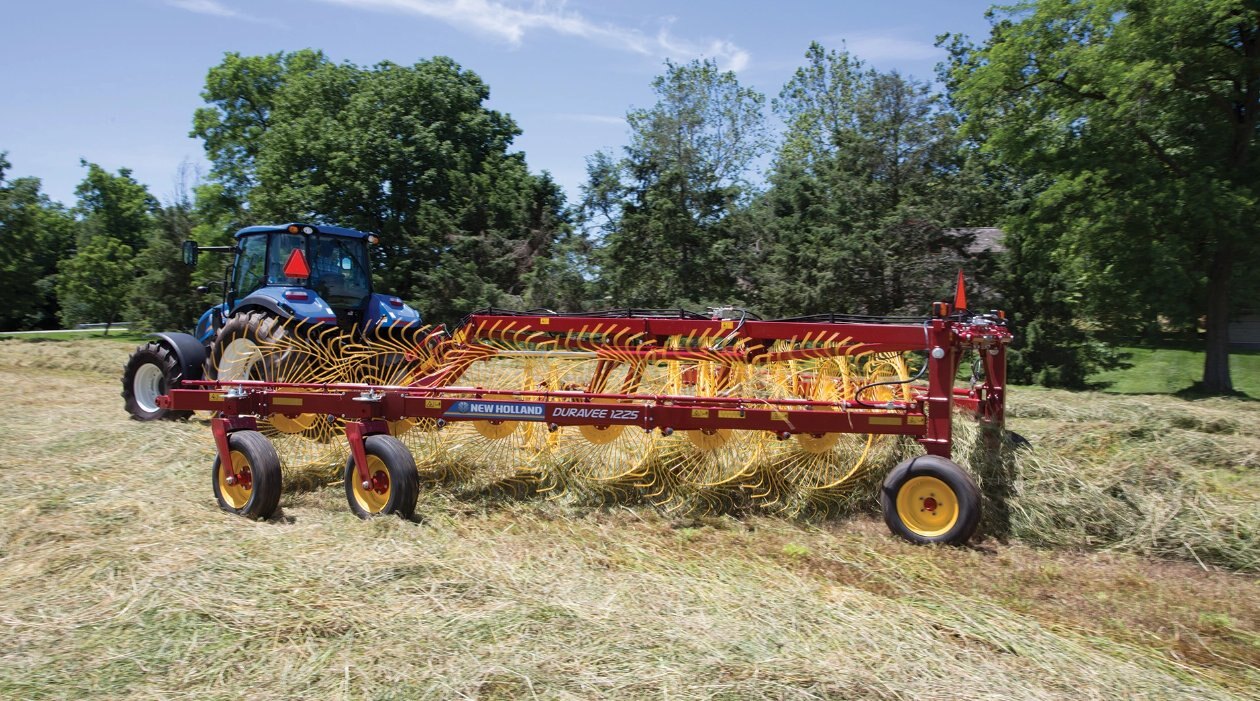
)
(601, 435)
(817, 444)
(374, 498)
(401, 426)
(292, 424)
(236, 495)
(496, 430)
(927, 506)
(709, 440)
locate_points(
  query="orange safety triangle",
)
(960, 295)
(296, 265)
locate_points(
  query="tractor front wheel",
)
(929, 499)
(149, 373)
(252, 487)
(392, 485)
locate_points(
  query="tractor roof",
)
(322, 229)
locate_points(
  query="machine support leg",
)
(356, 433)
(943, 365)
(220, 427)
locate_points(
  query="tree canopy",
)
(409, 152)
(1141, 119)
(661, 214)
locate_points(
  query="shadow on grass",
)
(1196, 391)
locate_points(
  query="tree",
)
(116, 218)
(661, 215)
(869, 177)
(162, 295)
(94, 283)
(241, 93)
(1143, 118)
(114, 205)
(34, 234)
(409, 152)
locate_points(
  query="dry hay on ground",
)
(123, 580)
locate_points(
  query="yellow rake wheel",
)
(930, 499)
(494, 454)
(701, 471)
(817, 470)
(595, 459)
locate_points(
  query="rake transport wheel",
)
(393, 485)
(150, 372)
(929, 499)
(253, 489)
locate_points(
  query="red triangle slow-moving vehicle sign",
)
(296, 266)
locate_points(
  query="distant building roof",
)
(988, 239)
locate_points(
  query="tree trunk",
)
(1216, 379)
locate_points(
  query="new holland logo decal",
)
(518, 411)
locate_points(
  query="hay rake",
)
(689, 412)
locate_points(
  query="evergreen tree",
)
(661, 216)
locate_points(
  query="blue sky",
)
(116, 81)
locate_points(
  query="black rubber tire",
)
(264, 466)
(163, 359)
(404, 479)
(965, 492)
(257, 327)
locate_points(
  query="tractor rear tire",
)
(929, 499)
(394, 485)
(257, 496)
(151, 371)
(234, 352)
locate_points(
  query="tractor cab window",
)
(282, 248)
(339, 270)
(250, 272)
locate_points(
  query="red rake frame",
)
(944, 339)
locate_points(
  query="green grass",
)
(1171, 370)
(123, 580)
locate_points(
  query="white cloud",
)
(592, 118)
(214, 8)
(876, 47)
(204, 7)
(511, 21)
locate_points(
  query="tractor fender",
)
(189, 352)
(271, 300)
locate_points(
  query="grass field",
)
(1171, 370)
(1131, 572)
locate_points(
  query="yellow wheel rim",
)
(292, 424)
(374, 497)
(927, 506)
(237, 495)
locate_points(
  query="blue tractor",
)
(284, 279)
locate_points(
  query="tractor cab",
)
(313, 273)
(318, 273)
